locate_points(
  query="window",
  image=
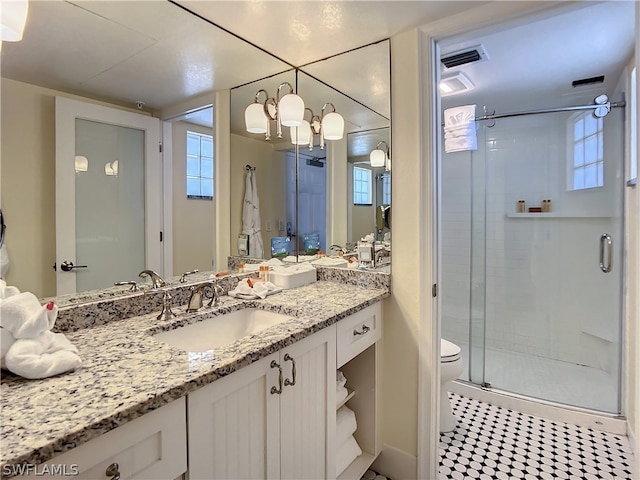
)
(588, 152)
(199, 166)
(386, 189)
(361, 186)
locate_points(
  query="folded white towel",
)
(260, 289)
(24, 317)
(346, 453)
(44, 356)
(28, 348)
(7, 291)
(345, 423)
(341, 380)
(341, 394)
(460, 129)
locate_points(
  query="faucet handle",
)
(166, 313)
(183, 277)
(134, 285)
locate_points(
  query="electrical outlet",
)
(281, 225)
(268, 225)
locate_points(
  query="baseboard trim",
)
(556, 413)
(396, 464)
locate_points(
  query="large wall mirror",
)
(304, 190)
(103, 53)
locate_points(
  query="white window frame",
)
(386, 188)
(572, 141)
(200, 177)
(358, 182)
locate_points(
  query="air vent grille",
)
(462, 57)
(588, 81)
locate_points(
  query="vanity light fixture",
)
(380, 157)
(81, 163)
(287, 111)
(14, 17)
(328, 127)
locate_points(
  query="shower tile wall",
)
(536, 275)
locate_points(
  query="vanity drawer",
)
(150, 447)
(358, 332)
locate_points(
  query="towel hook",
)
(249, 168)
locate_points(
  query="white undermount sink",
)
(220, 330)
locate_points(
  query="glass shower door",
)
(552, 290)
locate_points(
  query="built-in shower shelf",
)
(555, 215)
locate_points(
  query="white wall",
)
(193, 219)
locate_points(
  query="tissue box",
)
(294, 279)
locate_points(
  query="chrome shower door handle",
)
(606, 244)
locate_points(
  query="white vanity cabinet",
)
(272, 419)
(150, 447)
(359, 357)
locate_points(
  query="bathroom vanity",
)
(260, 407)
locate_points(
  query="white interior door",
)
(108, 195)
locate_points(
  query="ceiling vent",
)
(587, 81)
(463, 57)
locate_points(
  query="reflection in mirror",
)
(316, 200)
(116, 54)
(274, 170)
(363, 216)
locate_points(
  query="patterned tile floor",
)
(492, 443)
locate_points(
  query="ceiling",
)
(161, 54)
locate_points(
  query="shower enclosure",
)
(532, 292)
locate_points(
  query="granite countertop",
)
(126, 373)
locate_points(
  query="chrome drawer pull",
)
(364, 330)
(112, 472)
(287, 382)
(278, 390)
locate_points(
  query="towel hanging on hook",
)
(249, 168)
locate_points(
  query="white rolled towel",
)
(44, 356)
(346, 453)
(345, 424)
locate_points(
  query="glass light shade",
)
(14, 16)
(302, 134)
(332, 126)
(291, 108)
(378, 158)
(81, 163)
(255, 119)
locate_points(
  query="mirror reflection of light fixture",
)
(111, 169)
(380, 157)
(81, 163)
(328, 127)
(287, 111)
(14, 17)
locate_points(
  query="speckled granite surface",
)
(127, 373)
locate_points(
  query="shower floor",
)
(494, 443)
(548, 379)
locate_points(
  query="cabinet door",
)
(233, 425)
(307, 408)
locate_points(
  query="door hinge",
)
(160, 236)
(160, 147)
(434, 290)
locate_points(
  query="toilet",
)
(450, 369)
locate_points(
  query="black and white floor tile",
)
(494, 443)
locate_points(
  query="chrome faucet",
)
(156, 280)
(198, 293)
